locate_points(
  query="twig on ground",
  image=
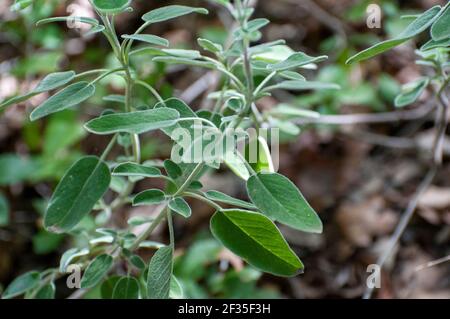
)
(404, 221)
(433, 263)
(348, 119)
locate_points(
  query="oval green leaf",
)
(411, 92)
(54, 81)
(46, 292)
(147, 38)
(176, 290)
(126, 288)
(134, 122)
(50, 82)
(279, 199)
(133, 169)
(21, 284)
(260, 159)
(96, 271)
(172, 169)
(77, 193)
(299, 85)
(441, 27)
(170, 12)
(107, 287)
(180, 206)
(72, 95)
(160, 273)
(296, 60)
(257, 240)
(149, 197)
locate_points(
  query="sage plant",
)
(248, 229)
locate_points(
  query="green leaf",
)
(289, 111)
(256, 24)
(411, 92)
(149, 197)
(236, 165)
(21, 284)
(4, 211)
(50, 82)
(133, 169)
(126, 288)
(262, 162)
(21, 4)
(441, 27)
(278, 198)
(185, 61)
(296, 60)
(182, 53)
(115, 98)
(148, 38)
(111, 6)
(160, 273)
(290, 75)
(172, 169)
(94, 30)
(416, 27)
(224, 198)
(139, 220)
(170, 12)
(68, 257)
(432, 44)
(210, 46)
(46, 292)
(107, 287)
(257, 240)
(180, 206)
(183, 109)
(137, 262)
(77, 193)
(303, 86)
(96, 271)
(54, 80)
(176, 290)
(133, 122)
(72, 95)
(91, 21)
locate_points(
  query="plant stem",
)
(109, 148)
(150, 229)
(152, 90)
(170, 226)
(203, 199)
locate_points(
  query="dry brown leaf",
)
(435, 197)
(362, 221)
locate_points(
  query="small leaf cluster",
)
(433, 54)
